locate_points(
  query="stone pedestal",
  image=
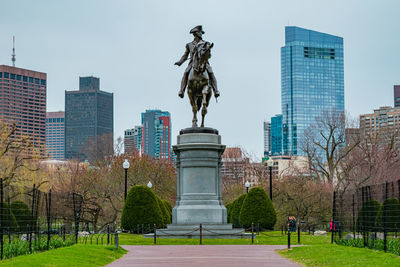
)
(199, 187)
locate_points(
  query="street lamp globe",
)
(270, 162)
(125, 164)
(149, 185)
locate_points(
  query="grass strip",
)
(336, 255)
(76, 255)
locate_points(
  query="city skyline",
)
(121, 45)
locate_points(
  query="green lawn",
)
(264, 238)
(76, 255)
(336, 255)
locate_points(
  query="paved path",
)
(205, 256)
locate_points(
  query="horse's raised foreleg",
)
(204, 109)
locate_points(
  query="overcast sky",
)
(132, 47)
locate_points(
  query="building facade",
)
(312, 76)
(156, 136)
(276, 135)
(133, 140)
(385, 120)
(396, 89)
(89, 121)
(23, 101)
(55, 129)
(267, 138)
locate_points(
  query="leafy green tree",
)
(141, 207)
(257, 208)
(392, 221)
(22, 215)
(367, 216)
(235, 212)
(9, 219)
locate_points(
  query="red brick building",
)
(23, 101)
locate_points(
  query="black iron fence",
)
(368, 217)
(32, 220)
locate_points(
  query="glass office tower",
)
(276, 135)
(312, 81)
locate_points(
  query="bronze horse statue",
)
(199, 86)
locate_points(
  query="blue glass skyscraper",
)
(312, 82)
(276, 135)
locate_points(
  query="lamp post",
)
(149, 185)
(270, 164)
(247, 185)
(125, 165)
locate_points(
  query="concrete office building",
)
(55, 135)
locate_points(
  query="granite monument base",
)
(199, 188)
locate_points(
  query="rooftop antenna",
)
(13, 53)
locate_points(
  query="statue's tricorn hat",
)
(197, 29)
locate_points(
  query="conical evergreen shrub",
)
(22, 214)
(228, 211)
(392, 220)
(168, 207)
(235, 212)
(257, 208)
(164, 212)
(367, 216)
(141, 207)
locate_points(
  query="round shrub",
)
(235, 212)
(392, 221)
(257, 208)
(164, 212)
(141, 207)
(367, 216)
(168, 207)
(228, 212)
(22, 215)
(9, 219)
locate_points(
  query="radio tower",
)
(13, 59)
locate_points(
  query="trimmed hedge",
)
(367, 216)
(235, 210)
(257, 208)
(22, 215)
(392, 215)
(10, 223)
(141, 207)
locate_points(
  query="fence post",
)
(385, 219)
(116, 241)
(333, 216)
(32, 219)
(155, 234)
(354, 225)
(108, 234)
(298, 233)
(1, 218)
(363, 196)
(252, 233)
(201, 234)
(48, 202)
(288, 239)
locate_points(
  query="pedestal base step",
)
(193, 231)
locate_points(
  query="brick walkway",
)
(205, 256)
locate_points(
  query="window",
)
(25, 79)
(36, 81)
(30, 79)
(12, 76)
(43, 82)
(1, 75)
(6, 75)
(18, 77)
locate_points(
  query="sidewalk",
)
(203, 255)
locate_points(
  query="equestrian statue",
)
(198, 77)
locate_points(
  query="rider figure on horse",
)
(190, 50)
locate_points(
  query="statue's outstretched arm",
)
(184, 57)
